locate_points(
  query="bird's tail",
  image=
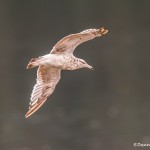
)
(34, 63)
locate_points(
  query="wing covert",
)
(47, 79)
(70, 42)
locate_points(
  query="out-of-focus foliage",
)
(107, 108)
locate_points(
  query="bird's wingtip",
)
(27, 115)
(35, 107)
(103, 30)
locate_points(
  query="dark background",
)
(104, 109)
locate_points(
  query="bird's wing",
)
(47, 78)
(70, 42)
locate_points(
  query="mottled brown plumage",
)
(60, 58)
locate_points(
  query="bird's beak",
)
(90, 67)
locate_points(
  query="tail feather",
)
(33, 63)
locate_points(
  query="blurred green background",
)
(104, 109)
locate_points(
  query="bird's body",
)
(64, 62)
(60, 58)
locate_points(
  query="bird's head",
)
(83, 64)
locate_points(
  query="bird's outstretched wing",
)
(47, 78)
(70, 42)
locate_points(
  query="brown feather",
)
(47, 78)
(70, 42)
(35, 107)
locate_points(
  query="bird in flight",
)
(60, 58)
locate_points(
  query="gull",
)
(60, 58)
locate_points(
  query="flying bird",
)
(60, 58)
